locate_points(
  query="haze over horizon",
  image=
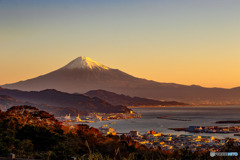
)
(184, 42)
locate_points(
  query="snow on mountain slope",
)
(85, 63)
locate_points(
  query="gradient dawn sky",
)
(181, 41)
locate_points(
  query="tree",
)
(42, 138)
(28, 115)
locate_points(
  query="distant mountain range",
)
(56, 100)
(117, 99)
(60, 103)
(83, 74)
(6, 102)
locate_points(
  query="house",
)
(133, 133)
(195, 128)
(107, 130)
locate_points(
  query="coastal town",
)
(95, 117)
(153, 139)
(210, 129)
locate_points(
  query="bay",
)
(196, 116)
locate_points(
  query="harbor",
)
(210, 129)
(96, 117)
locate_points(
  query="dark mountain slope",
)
(118, 99)
(65, 100)
(7, 102)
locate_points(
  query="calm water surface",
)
(200, 116)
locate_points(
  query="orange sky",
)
(186, 42)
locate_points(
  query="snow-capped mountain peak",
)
(85, 63)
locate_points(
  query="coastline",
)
(200, 105)
(199, 116)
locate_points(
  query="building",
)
(133, 133)
(195, 128)
(107, 130)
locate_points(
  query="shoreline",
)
(159, 106)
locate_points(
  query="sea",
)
(178, 117)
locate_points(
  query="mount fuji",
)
(79, 76)
(84, 74)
